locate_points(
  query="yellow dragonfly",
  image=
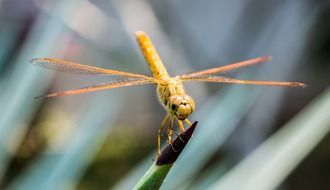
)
(170, 90)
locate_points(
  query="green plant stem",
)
(156, 174)
(154, 177)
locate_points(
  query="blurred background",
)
(248, 137)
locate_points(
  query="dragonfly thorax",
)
(181, 106)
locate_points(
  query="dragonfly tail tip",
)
(140, 33)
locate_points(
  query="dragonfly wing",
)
(71, 67)
(103, 86)
(225, 68)
(220, 79)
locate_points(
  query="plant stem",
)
(156, 174)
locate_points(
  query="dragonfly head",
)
(181, 106)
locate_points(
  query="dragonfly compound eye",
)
(173, 107)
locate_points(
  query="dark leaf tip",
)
(171, 152)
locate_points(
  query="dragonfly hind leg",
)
(160, 132)
(170, 132)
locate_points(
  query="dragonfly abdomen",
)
(151, 56)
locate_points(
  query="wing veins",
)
(103, 86)
(220, 79)
(225, 68)
(71, 67)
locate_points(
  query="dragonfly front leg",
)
(160, 132)
(187, 122)
(181, 127)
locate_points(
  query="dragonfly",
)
(170, 90)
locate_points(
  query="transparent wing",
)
(221, 79)
(103, 86)
(225, 68)
(70, 67)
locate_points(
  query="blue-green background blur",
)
(107, 139)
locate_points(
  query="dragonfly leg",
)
(169, 130)
(180, 125)
(187, 122)
(181, 129)
(170, 133)
(160, 132)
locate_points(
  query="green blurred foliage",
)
(106, 140)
